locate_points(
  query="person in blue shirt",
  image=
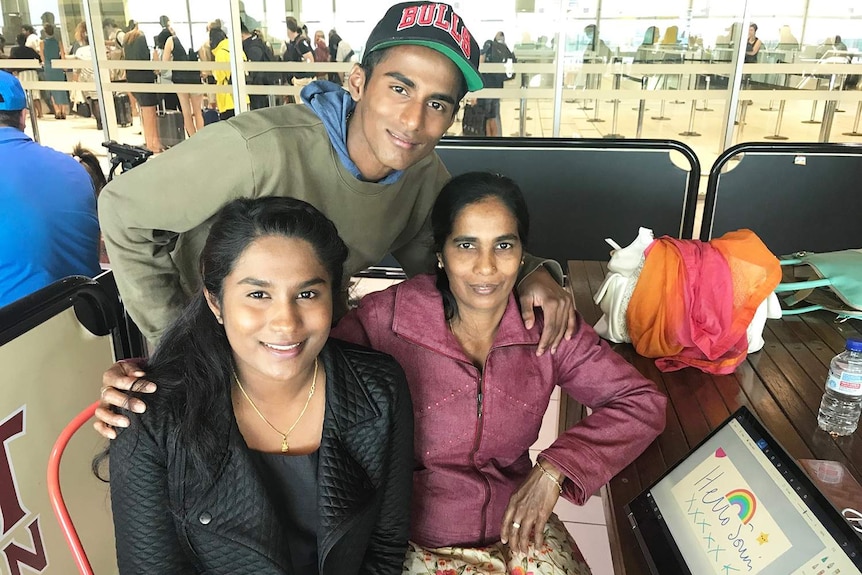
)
(48, 224)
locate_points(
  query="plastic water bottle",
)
(842, 400)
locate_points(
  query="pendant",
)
(284, 446)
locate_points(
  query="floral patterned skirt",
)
(559, 555)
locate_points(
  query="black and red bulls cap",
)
(434, 25)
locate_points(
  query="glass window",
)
(610, 52)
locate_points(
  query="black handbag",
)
(473, 123)
(83, 109)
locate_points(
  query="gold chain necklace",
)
(285, 446)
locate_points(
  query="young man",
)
(48, 225)
(365, 157)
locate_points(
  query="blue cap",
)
(12, 97)
(854, 345)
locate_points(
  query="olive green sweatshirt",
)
(155, 218)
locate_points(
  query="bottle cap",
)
(854, 345)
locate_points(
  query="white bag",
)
(614, 294)
(770, 308)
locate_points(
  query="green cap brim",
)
(473, 78)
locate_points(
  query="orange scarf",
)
(694, 300)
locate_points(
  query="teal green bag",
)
(830, 281)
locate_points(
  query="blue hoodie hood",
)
(333, 105)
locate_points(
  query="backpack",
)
(294, 54)
(180, 54)
(473, 122)
(337, 77)
(497, 53)
(343, 52)
(262, 54)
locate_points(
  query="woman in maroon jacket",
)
(480, 391)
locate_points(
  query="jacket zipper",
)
(479, 414)
(478, 439)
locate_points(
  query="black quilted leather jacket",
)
(163, 526)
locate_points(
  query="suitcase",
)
(170, 126)
(210, 116)
(124, 109)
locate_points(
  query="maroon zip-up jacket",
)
(473, 428)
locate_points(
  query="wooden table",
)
(782, 384)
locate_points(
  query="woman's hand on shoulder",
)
(118, 379)
(530, 507)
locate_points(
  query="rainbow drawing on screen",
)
(744, 502)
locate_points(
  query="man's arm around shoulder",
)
(143, 212)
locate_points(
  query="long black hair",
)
(91, 163)
(193, 364)
(334, 41)
(460, 192)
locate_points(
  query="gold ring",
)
(516, 525)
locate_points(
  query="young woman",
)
(221, 53)
(480, 392)
(135, 48)
(321, 51)
(84, 52)
(190, 104)
(52, 49)
(270, 448)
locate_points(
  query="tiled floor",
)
(590, 533)
(759, 122)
